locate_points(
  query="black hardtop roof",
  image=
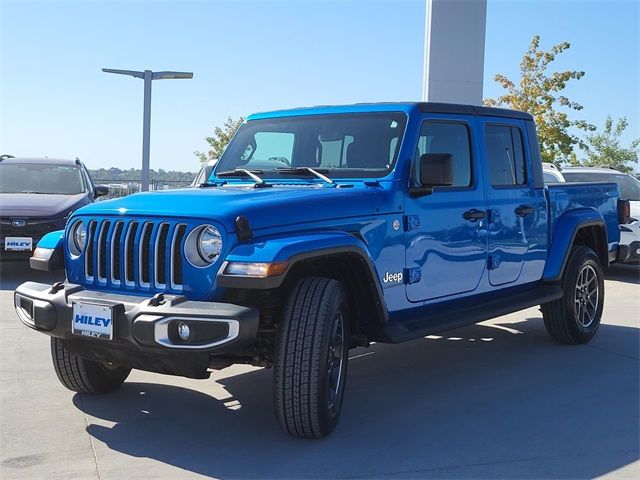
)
(434, 107)
(367, 107)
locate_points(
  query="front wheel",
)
(85, 376)
(575, 318)
(311, 359)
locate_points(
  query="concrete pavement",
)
(495, 400)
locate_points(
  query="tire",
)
(85, 376)
(311, 358)
(574, 319)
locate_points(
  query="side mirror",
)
(100, 191)
(436, 170)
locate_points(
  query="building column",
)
(454, 51)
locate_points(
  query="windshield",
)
(629, 186)
(41, 178)
(348, 146)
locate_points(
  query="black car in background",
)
(37, 195)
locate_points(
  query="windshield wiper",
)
(243, 172)
(307, 171)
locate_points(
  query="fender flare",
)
(563, 236)
(294, 250)
(53, 242)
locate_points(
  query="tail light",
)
(624, 211)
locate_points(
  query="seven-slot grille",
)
(133, 253)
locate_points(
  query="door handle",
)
(524, 210)
(474, 215)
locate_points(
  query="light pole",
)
(148, 76)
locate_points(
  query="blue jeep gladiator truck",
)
(320, 230)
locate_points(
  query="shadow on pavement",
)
(487, 401)
(13, 274)
(484, 401)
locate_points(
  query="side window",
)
(505, 157)
(446, 137)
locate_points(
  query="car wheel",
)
(311, 358)
(575, 318)
(85, 376)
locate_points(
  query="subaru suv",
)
(37, 195)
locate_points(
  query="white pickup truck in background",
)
(629, 250)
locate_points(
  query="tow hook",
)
(56, 287)
(158, 299)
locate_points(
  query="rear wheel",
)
(85, 376)
(575, 318)
(311, 358)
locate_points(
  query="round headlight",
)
(203, 246)
(79, 237)
(209, 244)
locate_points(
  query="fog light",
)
(184, 331)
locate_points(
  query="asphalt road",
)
(496, 400)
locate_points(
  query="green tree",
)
(220, 138)
(539, 93)
(604, 147)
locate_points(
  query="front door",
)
(446, 244)
(511, 200)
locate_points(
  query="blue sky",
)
(258, 55)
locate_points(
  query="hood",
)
(263, 207)
(32, 205)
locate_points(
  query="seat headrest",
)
(436, 169)
(366, 155)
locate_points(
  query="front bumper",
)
(141, 325)
(14, 255)
(629, 253)
(629, 246)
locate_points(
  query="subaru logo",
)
(19, 223)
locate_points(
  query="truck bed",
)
(600, 196)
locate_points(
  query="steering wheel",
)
(284, 160)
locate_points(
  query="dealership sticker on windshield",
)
(90, 320)
(18, 243)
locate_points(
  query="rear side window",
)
(446, 137)
(505, 157)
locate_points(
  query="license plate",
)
(90, 320)
(18, 243)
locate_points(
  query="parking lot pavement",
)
(492, 400)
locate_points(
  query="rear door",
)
(446, 244)
(510, 196)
